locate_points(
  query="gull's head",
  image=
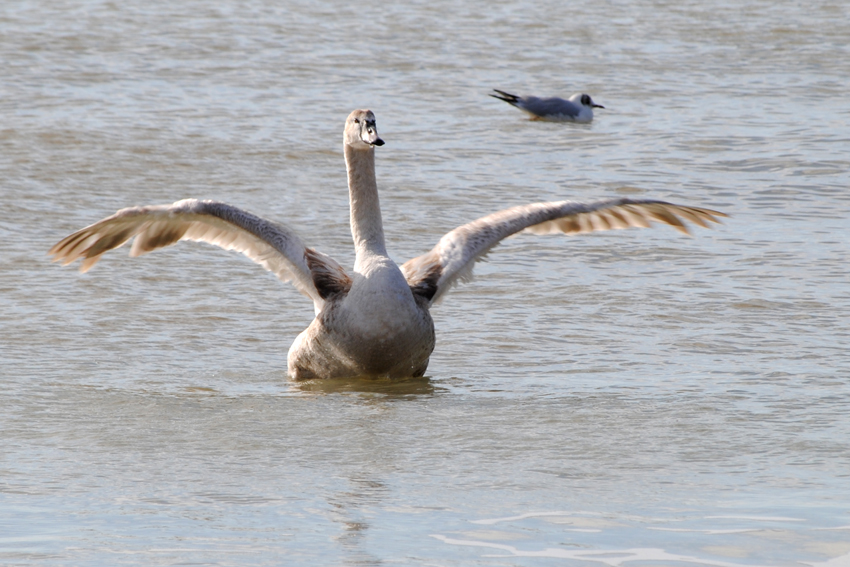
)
(585, 100)
(360, 130)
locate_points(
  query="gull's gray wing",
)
(543, 107)
(454, 256)
(549, 107)
(273, 246)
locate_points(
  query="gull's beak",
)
(594, 105)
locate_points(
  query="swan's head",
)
(585, 100)
(360, 130)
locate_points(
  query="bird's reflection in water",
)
(385, 387)
(351, 509)
(366, 457)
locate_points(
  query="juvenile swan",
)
(375, 320)
(579, 108)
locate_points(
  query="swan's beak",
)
(369, 134)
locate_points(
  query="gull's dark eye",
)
(585, 99)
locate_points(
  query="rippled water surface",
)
(625, 398)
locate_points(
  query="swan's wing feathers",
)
(329, 277)
(271, 245)
(454, 257)
(577, 218)
(422, 274)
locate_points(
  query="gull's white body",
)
(376, 320)
(578, 108)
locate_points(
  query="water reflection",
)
(348, 511)
(366, 385)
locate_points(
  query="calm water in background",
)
(604, 399)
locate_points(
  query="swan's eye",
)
(357, 121)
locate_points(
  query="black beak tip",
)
(598, 106)
(378, 142)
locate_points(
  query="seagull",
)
(579, 107)
(374, 320)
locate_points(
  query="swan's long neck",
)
(367, 228)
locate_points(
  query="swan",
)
(579, 107)
(374, 320)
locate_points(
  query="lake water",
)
(630, 398)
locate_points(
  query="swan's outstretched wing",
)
(271, 245)
(453, 258)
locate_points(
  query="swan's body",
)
(578, 108)
(375, 321)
